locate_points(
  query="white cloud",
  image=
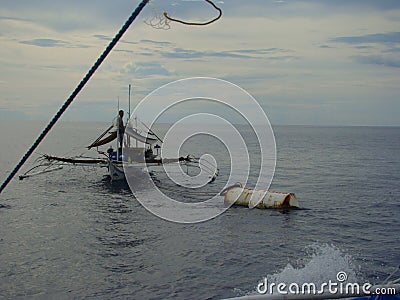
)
(145, 69)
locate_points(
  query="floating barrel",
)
(238, 195)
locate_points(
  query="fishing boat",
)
(115, 159)
(118, 158)
(125, 155)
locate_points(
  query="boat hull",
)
(116, 170)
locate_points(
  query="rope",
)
(195, 23)
(75, 92)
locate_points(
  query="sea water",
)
(72, 234)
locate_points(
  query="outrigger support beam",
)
(75, 160)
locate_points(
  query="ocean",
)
(71, 234)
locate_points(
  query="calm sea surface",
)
(71, 234)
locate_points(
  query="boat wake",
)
(322, 262)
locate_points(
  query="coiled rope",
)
(197, 23)
(75, 92)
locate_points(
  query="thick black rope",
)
(75, 92)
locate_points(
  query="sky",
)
(311, 62)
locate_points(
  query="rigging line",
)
(151, 131)
(195, 23)
(75, 92)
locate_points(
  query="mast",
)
(129, 113)
(129, 102)
(136, 130)
(118, 130)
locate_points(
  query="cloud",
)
(382, 60)
(392, 50)
(189, 54)
(170, 51)
(181, 53)
(326, 47)
(156, 42)
(45, 43)
(145, 69)
(102, 37)
(354, 4)
(109, 38)
(261, 51)
(72, 15)
(376, 38)
(372, 4)
(366, 42)
(12, 18)
(306, 8)
(363, 47)
(48, 43)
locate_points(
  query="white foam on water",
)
(319, 264)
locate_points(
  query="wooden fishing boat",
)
(116, 159)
